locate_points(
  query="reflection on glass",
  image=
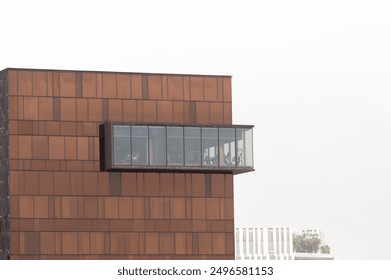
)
(227, 146)
(192, 146)
(209, 146)
(139, 145)
(157, 145)
(244, 147)
(121, 145)
(175, 146)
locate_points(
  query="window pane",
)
(227, 146)
(121, 145)
(244, 146)
(209, 146)
(139, 145)
(192, 146)
(157, 145)
(175, 146)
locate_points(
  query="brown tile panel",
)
(136, 82)
(166, 243)
(178, 112)
(164, 112)
(30, 108)
(69, 242)
(25, 82)
(123, 86)
(79, 84)
(198, 185)
(95, 110)
(227, 96)
(196, 88)
(177, 208)
(144, 86)
(67, 84)
(56, 108)
(128, 184)
(12, 82)
(152, 243)
(202, 113)
(149, 111)
(89, 84)
(109, 85)
(155, 87)
(227, 113)
(210, 89)
(216, 113)
(117, 243)
(45, 108)
(12, 107)
(115, 110)
(175, 86)
(25, 147)
(20, 108)
(32, 243)
(166, 184)
(40, 148)
(129, 110)
(84, 243)
(156, 208)
(151, 184)
(41, 207)
(56, 147)
(81, 109)
(190, 113)
(68, 109)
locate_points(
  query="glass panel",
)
(157, 145)
(244, 147)
(139, 145)
(209, 146)
(121, 145)
(227, 146)
(175, 146)
(192, 146)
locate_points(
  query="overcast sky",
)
(314, 77)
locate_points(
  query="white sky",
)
(314, 77)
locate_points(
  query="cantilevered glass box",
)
(226, 149)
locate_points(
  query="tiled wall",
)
(63, 206)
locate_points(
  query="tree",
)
(325, 249)
(306, 243)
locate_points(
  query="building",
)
(264, 244)
(103, 165)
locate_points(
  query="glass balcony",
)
(227, 149)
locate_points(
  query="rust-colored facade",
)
(63, 205)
